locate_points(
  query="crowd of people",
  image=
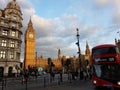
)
(74, 75)
(83, 75)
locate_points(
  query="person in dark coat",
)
(81, 75)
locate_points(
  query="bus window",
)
(107, 71)
(106, 50)
(97, 70)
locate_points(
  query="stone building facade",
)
(10, 38)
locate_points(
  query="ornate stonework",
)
(10, 38)
(30, 37)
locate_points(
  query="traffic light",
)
(49, 61)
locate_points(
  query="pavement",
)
(73, 85)
(14, 84)
(37, 84)
(65, 85)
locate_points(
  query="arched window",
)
(10, 72)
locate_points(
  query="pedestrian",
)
(81, 75)
(76, 74)
(25, 77)
(73, 75)
(52, 75)
(85, 75)
(61, 79)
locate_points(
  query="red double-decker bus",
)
(106, 66)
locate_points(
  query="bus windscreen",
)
(109, 72)
(106, 50)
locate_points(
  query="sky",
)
(56, 21)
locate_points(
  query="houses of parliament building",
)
(30, 59)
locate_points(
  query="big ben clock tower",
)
(29, 53)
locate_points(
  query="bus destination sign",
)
(108, 59)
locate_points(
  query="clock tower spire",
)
(29, 53)
(30, 25)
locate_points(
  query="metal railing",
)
(34, 82)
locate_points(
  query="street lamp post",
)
(24, 67)
(79, 53)
(36, 60)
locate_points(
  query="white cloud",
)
(102, 3)
(3, 3)
(41, 25)
(113, 6)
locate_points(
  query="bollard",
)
(61, 78)
(58, 80)
(50, 78)
(2, 84)
(70, 79)
(5, 80)
(44, 82)
(26, 83)
(36, 77)
(69, 75)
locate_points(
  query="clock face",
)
(30, 35)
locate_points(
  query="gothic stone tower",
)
(87, 51)
(29, 53)
(87, 54)
(59, 55)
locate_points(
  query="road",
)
(44, 83)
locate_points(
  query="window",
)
(2, 54)
(6, 16)
(107, 71)
(5, 32)
(18, 56)
(11, 55)
(4, 43)
(19, 35)
(6, 24)
(13, 25)
(16, 33)
(17, 44)
(12, 44)
(14, 17)
(106, 50)
(2, 23)
(13, 33)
